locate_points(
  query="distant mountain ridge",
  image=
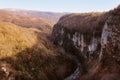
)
(26, 21)
(51, 16)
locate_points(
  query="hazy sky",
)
(61, 5)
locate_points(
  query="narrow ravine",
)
(75, 75)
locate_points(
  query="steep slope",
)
(27, 22)
(79, 33)
(51, 16)
(110, 51)
(27, 54)
(94, 39)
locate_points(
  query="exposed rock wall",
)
(96, 38)
(76, 40)
(110, 41)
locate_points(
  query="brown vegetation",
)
(84, 22)
(27, 54)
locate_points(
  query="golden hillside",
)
(13, 39)
(27, 54)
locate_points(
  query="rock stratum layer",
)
(95, 39)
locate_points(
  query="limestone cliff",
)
(94, 37)
(80, 33)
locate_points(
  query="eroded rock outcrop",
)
(94, 37)
(80, 33)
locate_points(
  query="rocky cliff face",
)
(94, 37)
(110, 42)
(77, 36)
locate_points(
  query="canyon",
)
(80, 46)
